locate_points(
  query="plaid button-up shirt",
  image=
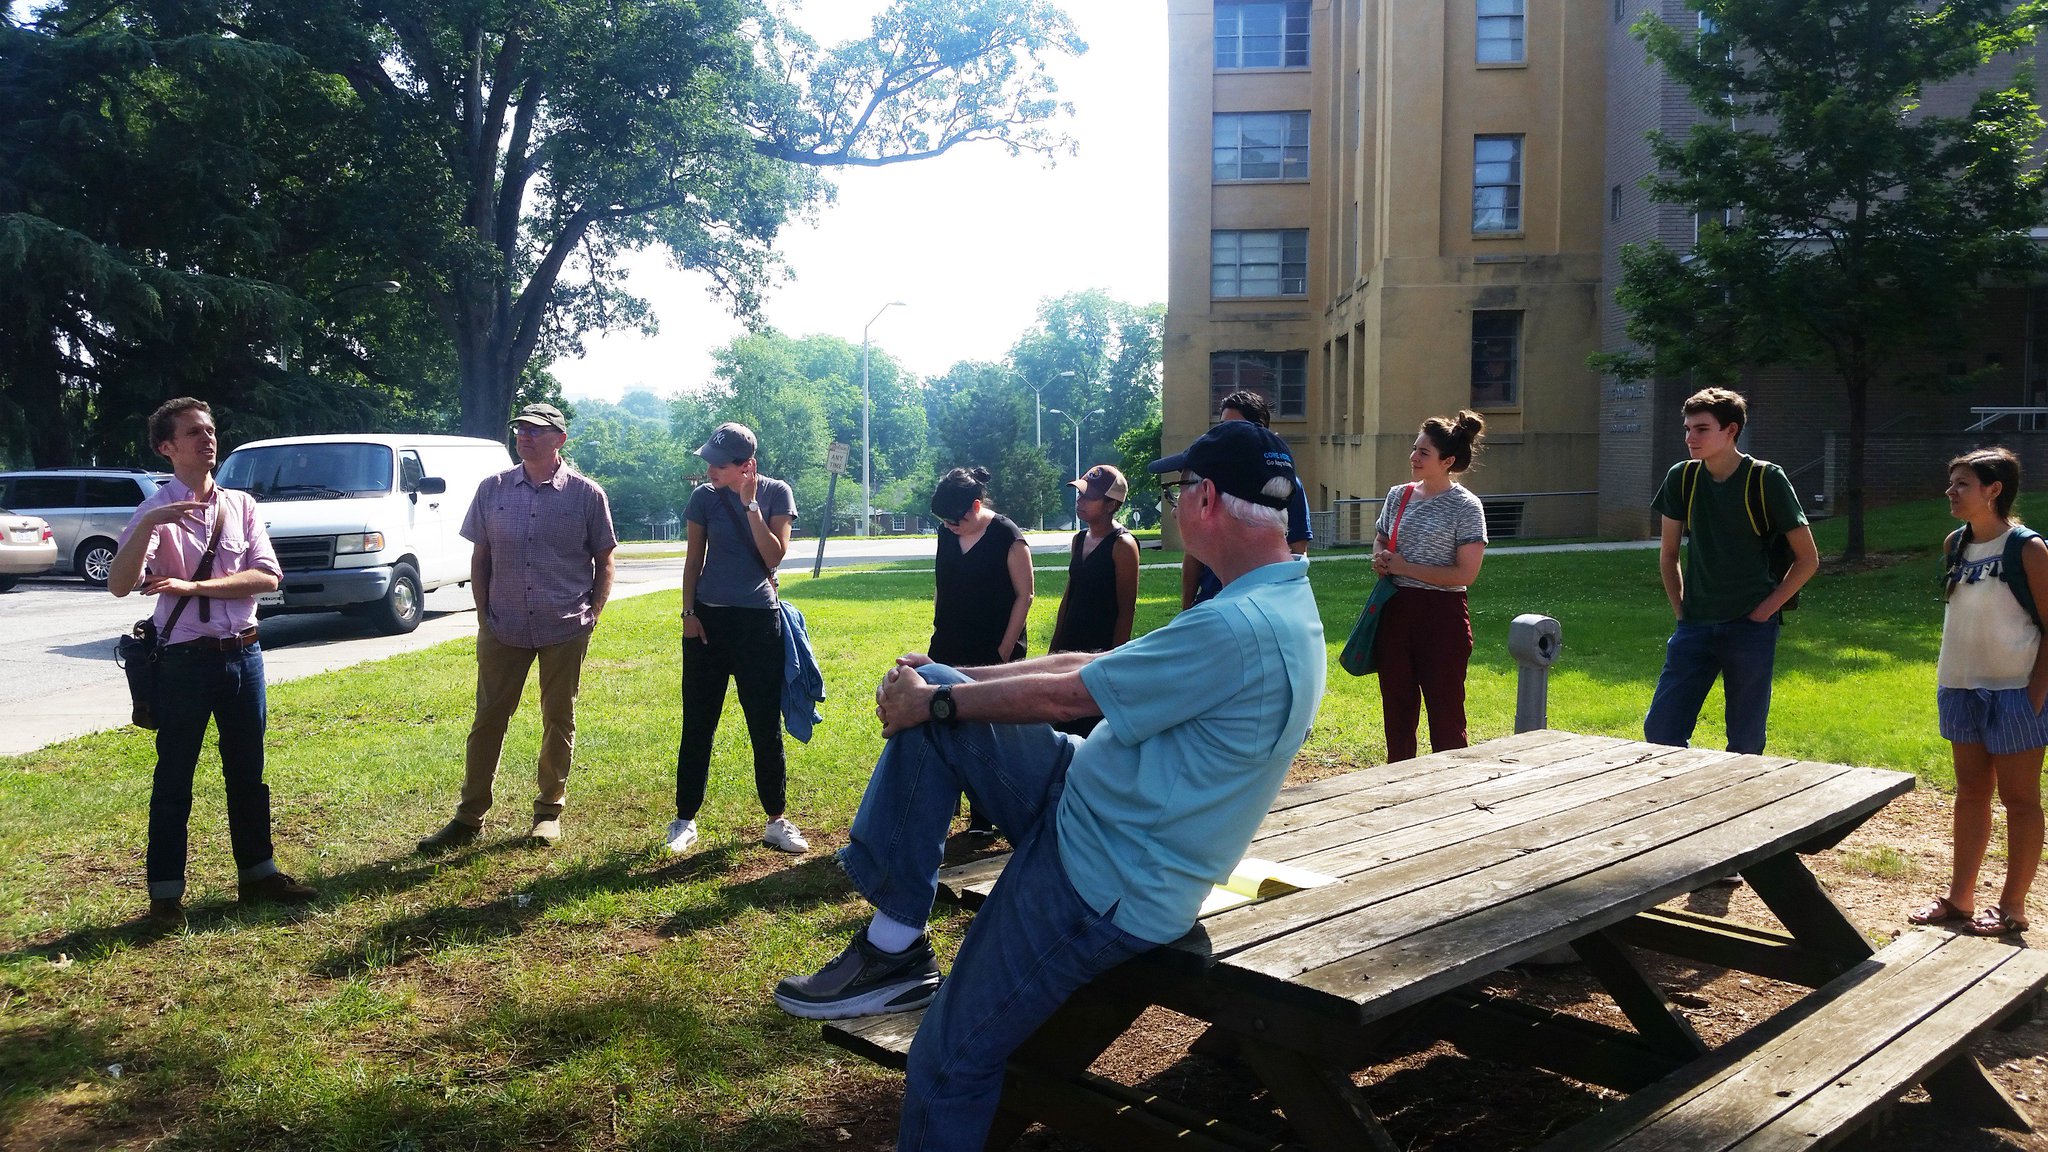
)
(545, 540)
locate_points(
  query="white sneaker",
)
(682, 836)
(782, 836)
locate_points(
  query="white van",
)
(367, 523)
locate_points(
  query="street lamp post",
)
(1038, 415)
(1077, 447)
(866, 470)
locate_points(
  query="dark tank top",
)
(1089, 624)
(972, 601)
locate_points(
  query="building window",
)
(1281, 377)
(1614, 203)
(1500, 32)
(1261, 146)
(1496, 359)
(1259, 263)
(2037, 345)
(1261, 34)
(1496, 183)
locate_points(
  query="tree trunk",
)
(1857, 383)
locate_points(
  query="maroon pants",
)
(1422, 647)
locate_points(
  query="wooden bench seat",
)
(1813, 1075)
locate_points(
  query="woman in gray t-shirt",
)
(1431, 538)
(739, 526)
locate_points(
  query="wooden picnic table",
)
(1452, 867)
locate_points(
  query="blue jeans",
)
(1032, 944)
(1741, 652)
(193, 687)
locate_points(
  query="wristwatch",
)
(753, 505)
(942, 705)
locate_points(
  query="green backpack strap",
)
(1688, 484)
(1753, 498)
(2013, 569)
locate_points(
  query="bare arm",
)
(601, 589)
(1126, 558)
(771, 537)
(239, 586)
(1190, 581)
(1460, 574)
(904, 699)
(1298, 547)
(1667, 566)
(693, 567)
(1805, 562)
(2035, 557)
(1020, 608)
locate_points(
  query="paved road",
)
(58, 679)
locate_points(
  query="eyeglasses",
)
(1172, 489)
(952, 523)
(530, 430)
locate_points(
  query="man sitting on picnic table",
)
(1118, 837)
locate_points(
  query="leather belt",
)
(220, 643)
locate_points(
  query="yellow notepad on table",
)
(1258, 880)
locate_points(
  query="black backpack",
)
(2012, 566)
(1777, 549)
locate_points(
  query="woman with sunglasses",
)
(983, 592)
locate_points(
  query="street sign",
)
(835, 460)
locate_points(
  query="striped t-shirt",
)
(1433, 528)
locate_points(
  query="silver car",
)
(26, 548)
(85, 507)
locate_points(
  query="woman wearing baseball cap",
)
(1102, 576)
(739, 526)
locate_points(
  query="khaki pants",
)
(500, 679)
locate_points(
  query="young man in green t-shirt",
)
(1725, 595)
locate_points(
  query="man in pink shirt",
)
(202, 551)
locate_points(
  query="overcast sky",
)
(970, 241)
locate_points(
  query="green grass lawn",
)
(601, 995)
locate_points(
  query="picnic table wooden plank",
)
(1375, 878)
(1535, 745)
(1844, 1102)
(1591, 776)
(1389, 789)
(1592, 884)
(1829, 1045)
(969, 883)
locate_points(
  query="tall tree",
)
(1840, 225)
(1088, 351)
(523, 148)
(979, 417)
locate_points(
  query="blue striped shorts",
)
(2001, 719)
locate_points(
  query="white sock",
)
(892, 935)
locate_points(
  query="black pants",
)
(743, 645)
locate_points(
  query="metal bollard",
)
(1534, 641)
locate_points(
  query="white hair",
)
(1257, 515)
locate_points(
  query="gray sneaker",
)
(454, 834)
(864, 981)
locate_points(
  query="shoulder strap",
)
(1753, 497)
(2013, 568)
(1688, 486)
(1394, 532)
(204, 570)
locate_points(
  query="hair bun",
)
(1470, 425)
(980, 474)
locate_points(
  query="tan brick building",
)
(1381, 210)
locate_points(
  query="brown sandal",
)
(1991, 920)
(1939, 910)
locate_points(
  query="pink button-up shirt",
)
(545, 540)
(175, 549)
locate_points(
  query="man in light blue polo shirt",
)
(1119, 837)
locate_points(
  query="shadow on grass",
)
(43, 1058)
